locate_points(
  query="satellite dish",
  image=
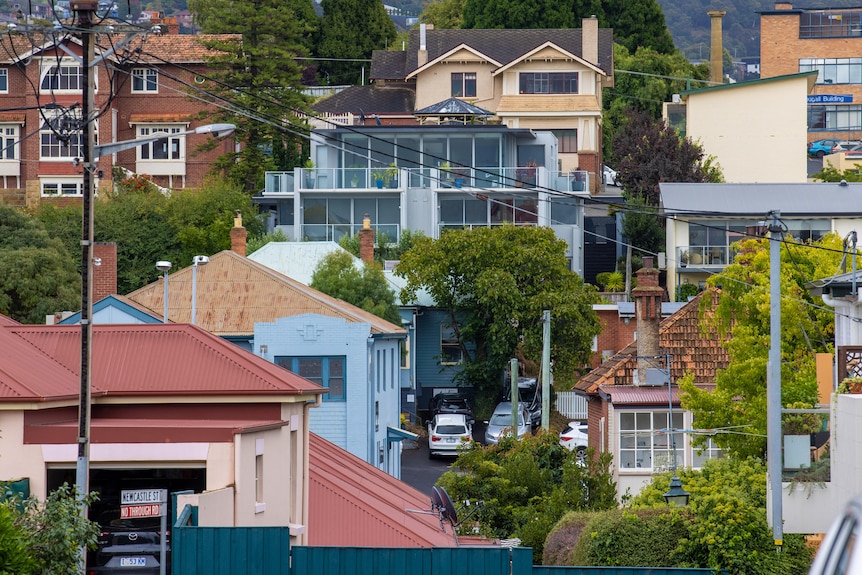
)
(448, 509)
(436, 500)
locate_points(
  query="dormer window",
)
(548, 83)
(464, 85)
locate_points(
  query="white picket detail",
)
(572, 405)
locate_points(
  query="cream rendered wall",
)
(757, 131)
(273, 445)
(435, 84)
(18, 460)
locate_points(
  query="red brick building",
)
(145, 87)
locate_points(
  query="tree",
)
(351, 30)
(638, 23)
(494, 284)
(527, 485)
(367, 288)
(649, 152)
(16, 558)
(259, 74)
(39, 276)
(444, 14)
(519, 14)
(738, 401)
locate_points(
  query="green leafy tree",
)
(350, 30)
(258, 73)
(830, 173)
(638, 23)
(384, 250)
(56, 531)
(256, 242)
(527, 485)
(444, 14)
(39, 276)
(738, 401)
(648, 152)
(494, 284)
(519, 14)
(336, 275)
(16, 558)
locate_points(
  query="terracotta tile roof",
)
(160, 117)
(354, 504)
(585, 103)
(42, 363)
(233, 293)
(503, 46)
(369, 99)
(681, 336)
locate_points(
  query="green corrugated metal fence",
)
(542, 570)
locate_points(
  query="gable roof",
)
(121, 303)
(42, 363)
(370, 506)
(682, 337)
(297, 260)
(370, 100)
(503, 46)
(234, 292)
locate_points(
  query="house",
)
(768, 115)
(143, 92)
(354, 354)
(825, 40)
(698, 244)
(632, 398)
(173, 407)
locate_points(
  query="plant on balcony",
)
(391, 179)
(800, 423)
(309, 173)
(683, 258)
(850, 385)
(380, 177)
(526, 174)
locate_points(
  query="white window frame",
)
(62, 187)
(9, 141)
(4, 79)
(645, 444)
(66, 151)
(146, 79)
(171, 141)
(65, 77)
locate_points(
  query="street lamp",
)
(217, 130)
(198, 261)
(676, 495)
(164, 267)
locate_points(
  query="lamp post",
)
(198, 261)
(164, 267)
(676, 495)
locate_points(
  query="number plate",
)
(451, 440)
(133, 561)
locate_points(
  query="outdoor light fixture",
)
(164, 267)
(676, 495)
(197, 261)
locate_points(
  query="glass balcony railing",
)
(703, 256)
(443, 177)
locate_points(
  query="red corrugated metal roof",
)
(42, 363)
(354, 504)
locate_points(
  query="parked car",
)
(447, 433)
(609, 176)
(450, 403)
(854, 153)
(574, 438)
(822, 147)
(529, 397)
(845, 145)
(839, 552)
(129, 552)
(501, 421)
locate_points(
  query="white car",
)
(609, 176)
(448, 432)
(574, 438)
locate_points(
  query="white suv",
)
(447, 432)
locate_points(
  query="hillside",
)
(689, 23)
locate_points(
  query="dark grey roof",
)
(369, 100)
(737, 200)
(504, 46)
(388, 65)
(453, 107)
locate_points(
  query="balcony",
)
(441, 178)
(703, 257)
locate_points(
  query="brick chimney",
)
(104, 274)
(590, 40)
(648, 296)
(238, 235)
(716, 49)
(366, 241)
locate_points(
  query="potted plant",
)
(354, 181)
(850, 385)
(392, 175)
(683, 258)
(445, 175)
(380, 177)
(309, 173)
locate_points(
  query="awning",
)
(397, 434)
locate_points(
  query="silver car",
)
(501, 420)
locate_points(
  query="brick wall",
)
(615, 334)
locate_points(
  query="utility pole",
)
(546, 369)
(86, 10)
(774, 463)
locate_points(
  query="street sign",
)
(141, 496)
(148, 510)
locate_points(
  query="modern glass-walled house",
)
(428, 178)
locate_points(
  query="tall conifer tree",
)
(351, 29)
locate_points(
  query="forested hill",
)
(689, 23)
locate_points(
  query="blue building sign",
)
(831, 99)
